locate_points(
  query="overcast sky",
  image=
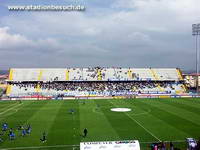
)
(121, 33)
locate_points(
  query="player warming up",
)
(28, 130)
(4, 126)
(23, 131)
(85, 132)
(43, 139)
(11, 134)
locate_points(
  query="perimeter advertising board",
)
(111, 145)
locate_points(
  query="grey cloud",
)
(152, 34)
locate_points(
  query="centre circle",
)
(120, 109)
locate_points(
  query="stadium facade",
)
(93, 82)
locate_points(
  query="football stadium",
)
(98, 108)
(99, 75)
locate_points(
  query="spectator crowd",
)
(100, 86)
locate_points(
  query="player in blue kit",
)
(23, 131)
(28, 130)
(11, 134)
(4, 126)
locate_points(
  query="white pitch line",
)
(176, 141)
(143, 113)
(5, 108)
(144, 128)
(9, 109)
(141, 125)
(39, 147)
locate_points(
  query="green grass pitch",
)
(150, 120)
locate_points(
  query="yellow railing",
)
(38, 88)
(181, 78)
(184, 88)
(130, 74)
(67, 75)
(154, 74)
(99, 75)
(39, 79)
(179, 74)
(40, 75)
(8, 90)
(157, 78)
(161, 89)
(9, 87)
(11, 74)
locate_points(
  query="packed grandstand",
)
(96, 81)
